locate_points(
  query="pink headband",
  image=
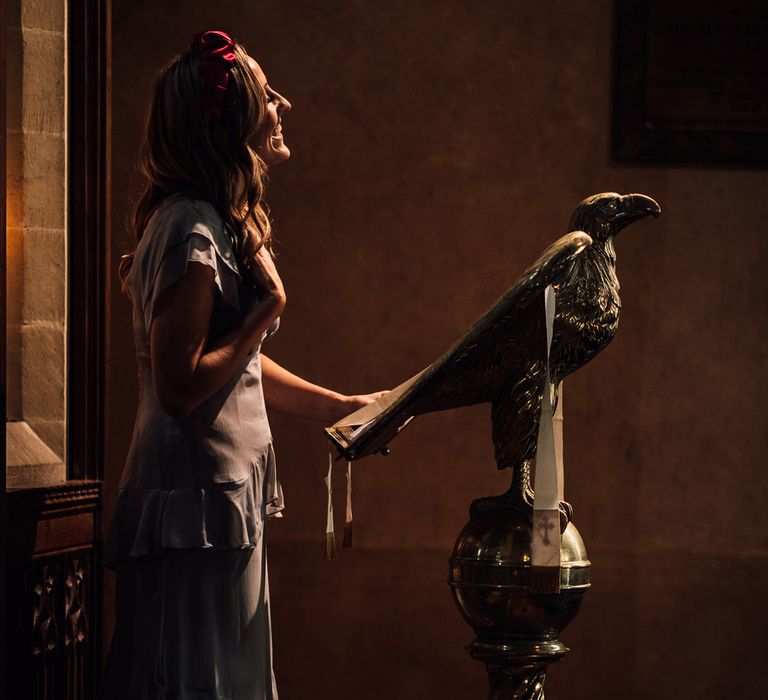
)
(216, 52)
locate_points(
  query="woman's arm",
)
(284, 392)
(183, 375)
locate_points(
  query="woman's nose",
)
(285, 105)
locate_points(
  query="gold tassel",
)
(330, 546)
(330, 537)
(348, 521)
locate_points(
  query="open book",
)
(473, 368)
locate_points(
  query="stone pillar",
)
(37, 224)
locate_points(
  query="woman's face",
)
(269, 141)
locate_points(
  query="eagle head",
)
(602, 216)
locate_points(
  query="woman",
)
(199, 483)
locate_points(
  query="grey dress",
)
(186, 541)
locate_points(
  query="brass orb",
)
(490, 578)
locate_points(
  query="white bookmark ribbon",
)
(349, 493)
(347, 542)
(548, 482)
(327, 479)
(330, 537)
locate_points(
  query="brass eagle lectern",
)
(505, 359)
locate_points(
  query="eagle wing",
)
(494, 355)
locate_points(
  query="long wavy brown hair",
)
(186, 150)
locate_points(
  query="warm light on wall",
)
(14, 272)
(36, 243)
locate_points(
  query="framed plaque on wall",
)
(691, 82)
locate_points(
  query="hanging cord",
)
(330, 537)
(348, 520)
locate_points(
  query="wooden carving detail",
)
(75, 617)
(76, 632)
(45, 628)
(52, 656)
(45, 632)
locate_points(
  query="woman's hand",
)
(350, 404)
(265, 278)
(353, 403)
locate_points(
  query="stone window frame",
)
(87, 235)
(36, 132)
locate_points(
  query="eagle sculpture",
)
(501, 359)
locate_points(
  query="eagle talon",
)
(566, 515)
(528, 496)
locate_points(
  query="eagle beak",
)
(633, 208)
(639, 206)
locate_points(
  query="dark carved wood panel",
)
(53, 589)
(51, 599)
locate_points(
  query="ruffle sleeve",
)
(177, 236)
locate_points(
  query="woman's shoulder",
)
(183, 229)
(179, 216)
(181, 211)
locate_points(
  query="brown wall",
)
(437, 148)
